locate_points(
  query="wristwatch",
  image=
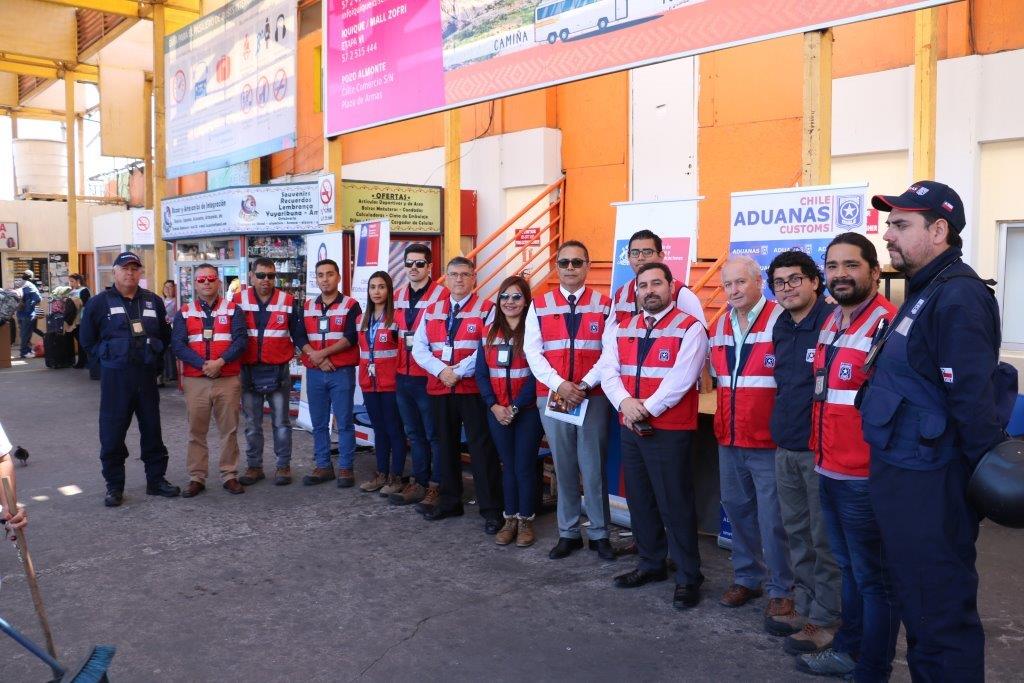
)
(585, 387)
(515, 410)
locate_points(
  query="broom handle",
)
(30, 571)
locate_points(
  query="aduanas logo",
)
(248, 211)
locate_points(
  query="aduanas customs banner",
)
(389, 60)
(766, 223)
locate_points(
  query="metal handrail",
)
(557, 185)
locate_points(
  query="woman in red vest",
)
(378, 363)
(510, 392)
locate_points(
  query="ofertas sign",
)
(409, 208)
(258, 209)
(230, 86)
(768, 222)
(394, 59)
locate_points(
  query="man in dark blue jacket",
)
(796, 281)
(124, 327)
(930, 413)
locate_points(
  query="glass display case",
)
(222, 253)
(288, 252)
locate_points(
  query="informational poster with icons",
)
(230, 86)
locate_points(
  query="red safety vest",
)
(276, 346)
(625, 300)
(641, 380)
(561, 352)
(223, 312)
(406, 363)
(473, 317)
(337, 317)
(506, 382)
(745, 410)
(385, 356)
(836, 434)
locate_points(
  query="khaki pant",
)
(221, 397)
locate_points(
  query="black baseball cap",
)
(926, 195)
(126, 257)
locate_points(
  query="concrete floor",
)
(322, 584)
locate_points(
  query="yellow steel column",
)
(817, 124)
(159, 147)
(452, 238)
(14, 167)
(332, 164)
(72, 186)
(926, 52)
(147, 140)
(254, 171)
(80, 142)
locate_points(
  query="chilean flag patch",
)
(947, 375)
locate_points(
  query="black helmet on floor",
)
(996, 488)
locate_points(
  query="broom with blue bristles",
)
(94, 669)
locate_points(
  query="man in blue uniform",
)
(929, 414)
(125, 328)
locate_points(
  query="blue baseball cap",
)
(127, 257)
(926, 195)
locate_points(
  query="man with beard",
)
(798, 286)
(651, 364)
(865, 643)
(935, 405)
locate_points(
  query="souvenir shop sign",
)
(258, 209)
(410, 208)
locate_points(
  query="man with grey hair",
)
(743, 362)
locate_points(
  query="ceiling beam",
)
(47, 68)
(32, 113)
(132, 8)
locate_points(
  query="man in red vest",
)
(275, 327)
(331, 356)
(645, 247)
(743, 361)
(209, 338)
(865, 643)
(651, 364)
(445, 345)
(411, 301)
(563, 345)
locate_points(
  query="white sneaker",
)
(30, 354)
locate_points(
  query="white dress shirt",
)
(533, 347)
(688, 303)
(426, 359)
(681, 378)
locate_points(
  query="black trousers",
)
(452, 412)
(659, 490)
(124, 394)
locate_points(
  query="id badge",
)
(324, 324)
(408, 340)
(819, 385)
(137, 329)
(207, 333)
(447, 353)
(504, 355)
(371, 370)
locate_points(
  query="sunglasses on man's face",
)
(263, 276)
(510, 297)
(419, 263)
(209, 278)
(564, 263)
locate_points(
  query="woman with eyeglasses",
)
(510, 392)
(378, 363)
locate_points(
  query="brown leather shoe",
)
(232, 486)
(738, 595)
(784, 624)
(430, 499)
(346, 478)
(412, 493)
(507, 534)
(779, 607)
(393, 485)
(525, 537)
(810, 639)
(194, 488)
(375, 484)
(283, 476)
(251, 476)
(319, 475)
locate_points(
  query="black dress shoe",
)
(114, 498)
(493, 525)
(604, 548)
(438, 512)
(565, 547)
(162, 488)
(638, 577)
(686, 596)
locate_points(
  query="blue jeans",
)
(751, 499)
(252, 408)
(388, 436)
(518, 445)
(869, 615)
(26, 326)
(418, 421)
(327, 391)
